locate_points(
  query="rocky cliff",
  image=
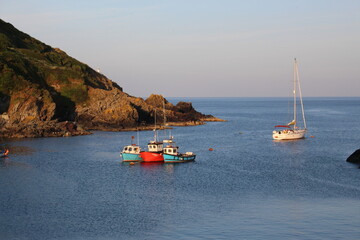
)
(45, 92)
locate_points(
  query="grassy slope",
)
(28, 63)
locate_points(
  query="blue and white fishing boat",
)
(131, 153)
(172, 155)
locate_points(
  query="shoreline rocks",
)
(69, 129)
(110, 110)
(43, 129)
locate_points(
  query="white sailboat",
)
(293, 130)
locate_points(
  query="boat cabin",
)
(155, 146)
(131, 149)
(171, 150)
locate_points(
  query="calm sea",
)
(248, 187)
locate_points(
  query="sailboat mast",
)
(301, 101)
(294, 91)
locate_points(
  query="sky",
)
(204, 48)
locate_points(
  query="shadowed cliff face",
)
(4, 103)
(40, 84)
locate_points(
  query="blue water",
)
(249, 187)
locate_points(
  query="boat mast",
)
(164, 118)
(294, 92)
(138, 137)
(301, 101)
(155, 139)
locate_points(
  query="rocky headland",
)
(44, 92)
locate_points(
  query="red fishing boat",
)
(154, 153)
(155, 149)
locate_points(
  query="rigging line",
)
(155, 135)
(138, 137)
(290, 101)
(294, 92)
(164, 112)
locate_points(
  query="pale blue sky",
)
(204, 48)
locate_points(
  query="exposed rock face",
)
(107, 110)
(45, 92)
(156, 101)
(31, 105)
(354, 157)
(181, 112)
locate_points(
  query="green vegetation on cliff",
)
(26, 62)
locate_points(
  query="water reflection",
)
(14, 152)
(6, 162)
(153, 166)
(20, 150)
(169, 168)
(291, 146)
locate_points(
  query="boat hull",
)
(131, 157)
(289, 134)
(152, 157)
(168, 158)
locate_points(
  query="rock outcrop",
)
(45, 92)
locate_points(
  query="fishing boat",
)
(172, 155)
(155, 149)
(171, 152)
(131, 153)
(292, 130)
(4, 152)
(154, 153)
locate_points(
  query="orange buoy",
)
(312, 136)
(132, 163)
(211, 149)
